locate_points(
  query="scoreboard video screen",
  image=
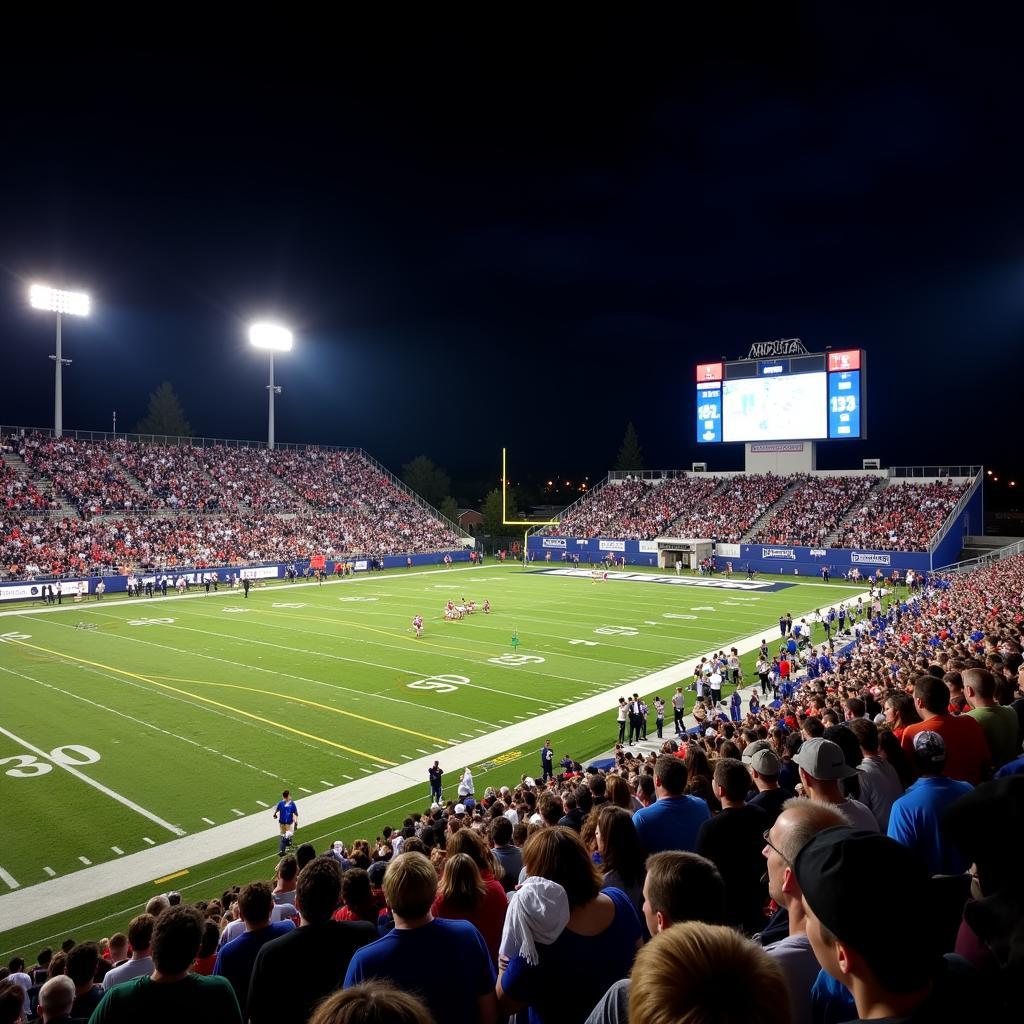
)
(816, 397)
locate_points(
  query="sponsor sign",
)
(778, 347)
(24, 591)
(787, 553)
(869, 558)
(259, 572)
(699, 582)
(648, 547)
(817, 552)
(553, 542)
(777, 446)
(727, 550)
(611, 545)
(361, 565)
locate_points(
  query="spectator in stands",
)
(879, 784)
(967, 753)
(999, 722)
(558, 920)
(506, 852)
(12, 1002)
(887, 975)
(673, 820)
(140, 937)
(799, 820)
(733, 840)
(172, 993)
(412, 956)
(318, 952)
(764, 766)
(461, 896)
(376, 1002)
(822, 766)
(56, 997)
(697, 972)
(236, 958)
(356, 898)
(81, 969)
(917, 816)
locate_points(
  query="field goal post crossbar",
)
(526, 523)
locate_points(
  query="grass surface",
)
(197, 711)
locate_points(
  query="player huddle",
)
(452, 612)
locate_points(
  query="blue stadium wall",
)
(31, 590)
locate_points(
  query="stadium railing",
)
(957, 509)
(1016, 548)
(589, 496)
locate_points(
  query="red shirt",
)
(489, 916)
(967, 753)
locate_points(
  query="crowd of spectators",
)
(731, 511)
(244, 474)
(174, 474)
(814, 510)
(19, 494)
(901, 517)
(730, 876)
(86, 473)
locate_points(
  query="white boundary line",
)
(130, 804)
(65, 892)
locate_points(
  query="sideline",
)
(44, 899)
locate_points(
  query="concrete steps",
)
(831, 538)
(784, 499)
(44, 485)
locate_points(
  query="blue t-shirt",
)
(416, 959)
(556, 990)
(671, 823)
(287, 810)
(235, 959)
(914, 822)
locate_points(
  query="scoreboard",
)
(808, 397)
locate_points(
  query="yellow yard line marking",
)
(206, 700)
(311, 703)
(167, 878)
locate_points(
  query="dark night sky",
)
(486, 236)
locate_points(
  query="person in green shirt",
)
(1000, 723)
(170, 994)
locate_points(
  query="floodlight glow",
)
(271, 336)
(54, 300)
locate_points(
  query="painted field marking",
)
(50, 872)
(324, 782)
(366, 771)
(167, 878)
(118, 851)
(85, 861)
(262, 804)
(96, 785)
(148, 841)
(380, 766)
(408, 757)
(468, 735)
(505, 721)
(304, 790)
(11, 881)
(195, 696)
(420, 750)
(209, 822)
(349, 777)
(236, 811)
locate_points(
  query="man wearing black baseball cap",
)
(893, 973)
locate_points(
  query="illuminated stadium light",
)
(63, 303)
(55, 300)
(273, 338)
(270, 336)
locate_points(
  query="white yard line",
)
(131, 804)
(9, 879)
(44, 899)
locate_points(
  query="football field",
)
(143, 743)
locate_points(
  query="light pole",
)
(273, 338)
(54, 300)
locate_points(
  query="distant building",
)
(470, 520)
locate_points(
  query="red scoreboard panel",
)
(709, 371)
(842, 361)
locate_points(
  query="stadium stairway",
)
(670, 530)
(784, 499)
(44, 485)
(831, 538)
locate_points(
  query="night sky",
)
(488, 235)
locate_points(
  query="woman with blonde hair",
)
(618, 792)
(462, 896)
(489, 915)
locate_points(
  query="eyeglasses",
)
(770, 844)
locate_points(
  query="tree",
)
(630, 456)
(430, 482)
(165, 415)
(493, 525)
(450, 509)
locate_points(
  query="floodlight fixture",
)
(63, 303)
(272, 338)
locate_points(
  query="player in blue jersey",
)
(287, 813)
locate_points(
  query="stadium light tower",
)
(54, 300)
(274, 338)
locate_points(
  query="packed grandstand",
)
(658, 887)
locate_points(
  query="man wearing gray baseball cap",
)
(822, 767)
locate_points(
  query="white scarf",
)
(537, 912)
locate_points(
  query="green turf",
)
(207, 715)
